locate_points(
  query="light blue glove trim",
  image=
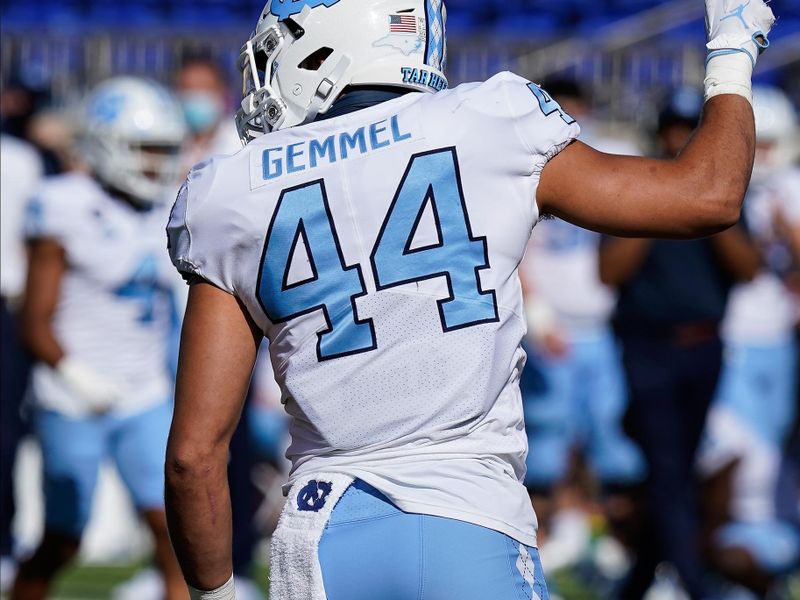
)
(761, 45)
(728, 51)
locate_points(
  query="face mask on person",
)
(202, 110)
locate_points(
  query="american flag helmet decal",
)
(402, 24)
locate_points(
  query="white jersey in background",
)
(20, 172)
(561, 264)
(378, 251)
(764, 311)
(114, 310)
(224, 141)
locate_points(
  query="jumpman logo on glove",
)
(737, 13)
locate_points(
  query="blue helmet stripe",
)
(435, 45)
(283, 9)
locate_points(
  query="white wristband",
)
(225, 592)
(729, 74)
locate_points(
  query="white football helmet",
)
(131, 133)
(304, 53)
(776, 130)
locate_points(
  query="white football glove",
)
(738, 26)
(98, 392)
(737, 33)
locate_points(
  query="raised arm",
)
(699, 192)
(218, 349)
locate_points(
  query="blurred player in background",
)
(374, 237)
(755, 409)
(20, 172)
(672, 298)
(584, 396)
(97, 318)
(24, 99)
(203, 93)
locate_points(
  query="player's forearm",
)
(46, 267)
(218, 350)
(199, 514)
(715, 166)
(39, 339)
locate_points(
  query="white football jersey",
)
(378, 252)
(114, 310)
(764, 310)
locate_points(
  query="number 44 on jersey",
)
(303, 213)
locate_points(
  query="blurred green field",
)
(94, 582)
(90, 582)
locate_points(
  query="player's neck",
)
(358, 99)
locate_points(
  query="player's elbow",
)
(716, 205)
(193, 460)
(722, 210)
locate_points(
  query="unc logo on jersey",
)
(283, 9)
(312, 497)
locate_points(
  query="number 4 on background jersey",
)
(144, 288)
(303, 215)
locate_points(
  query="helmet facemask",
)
(262, 109)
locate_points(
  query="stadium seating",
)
(504, 18)
(511, 16)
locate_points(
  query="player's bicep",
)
(219, 344)
(612, 194)
(628, 195)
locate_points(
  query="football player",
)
(97, 318)
(371, 229)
